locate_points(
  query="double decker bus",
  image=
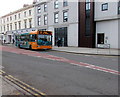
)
(34, 40)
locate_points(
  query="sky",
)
(7, 6)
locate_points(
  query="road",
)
(60, 73)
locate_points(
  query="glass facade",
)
(61, 33)
(87, 20)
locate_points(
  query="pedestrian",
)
(13, 40)
(4, 41)
(59, 43)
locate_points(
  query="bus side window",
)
(27, 37)
(32, 37)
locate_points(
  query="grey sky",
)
(7, 6)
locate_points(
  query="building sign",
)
(45, 32)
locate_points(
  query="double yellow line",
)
(22, 85)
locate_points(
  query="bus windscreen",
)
(44, 39)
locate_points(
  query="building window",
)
(15, 17)
(104, 6)
(65, 3)
(30, 13)
(39, 21)
(19, 15)
(45, 19)
(1, 28)
(87, 26)
(15, 26)
(119, 7)
(88, 4)
(65, 16)
(30, 23)
(7, 27)
(19, 23)
(45, 7)
(39, 9)
(10, 18)
(56, 17)
(56, 4)
(25, 14)
(119, 10)
(4, 27)
(100, 38)
(10, 26)
(3, 20)
(7, 19)
(25, 23)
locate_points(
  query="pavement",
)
(8, 88)
(88, 51)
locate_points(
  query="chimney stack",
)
(34, 1)
(25, 5)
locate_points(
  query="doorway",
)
(61, 33)
(100, 38)
(9, 38)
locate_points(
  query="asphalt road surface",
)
(60, 73)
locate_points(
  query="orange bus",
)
(34, 40)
